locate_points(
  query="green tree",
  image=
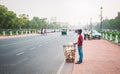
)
(3, 11)
(23, 21)
(37, 22)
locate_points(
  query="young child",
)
(79, 43)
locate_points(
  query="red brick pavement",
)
(100, 57)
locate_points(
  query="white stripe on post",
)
(103, 35)
(3, 33)
(16, 32)
(110, 37)
(10, 33)
(26, 32)
(106, 37)
(116, 39)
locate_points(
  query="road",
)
(38, 54)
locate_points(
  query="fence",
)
(112, 36)
(17, 32)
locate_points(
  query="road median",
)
(14, 36)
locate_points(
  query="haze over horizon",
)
(71, 11)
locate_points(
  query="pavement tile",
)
(100, 57)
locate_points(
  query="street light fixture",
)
(101, 9)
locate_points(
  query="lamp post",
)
(101, 18)
(91, 23)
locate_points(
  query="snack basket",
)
(69, 52)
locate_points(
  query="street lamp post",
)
(91, 23)
(101, 18)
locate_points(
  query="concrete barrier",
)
(16, 32)
(29, 32)
(3, 33)
(103, 35)
(10, 33)
(106, 37)
(26, 32)
(110, 37)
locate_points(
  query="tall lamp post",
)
(91, 23)
(101, 18)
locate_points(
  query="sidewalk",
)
(13, 36)
(100, 57)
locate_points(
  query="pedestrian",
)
(79, 44)
(85, 34)
(41, 30)
(90, 35)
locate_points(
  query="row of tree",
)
(111, 24)
(10, 20)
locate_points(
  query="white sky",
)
(71, 11)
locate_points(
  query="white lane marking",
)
(20, 53)
(40, 45)
(32, 48)
(60, 68)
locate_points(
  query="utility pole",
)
(91, 23)
(101, 18)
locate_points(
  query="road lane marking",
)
(32, 48)
(23, 42)
(20, 53)
(61, 67)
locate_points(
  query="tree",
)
(3, 11)
(112, 24)
(23, 21)
(37, 22)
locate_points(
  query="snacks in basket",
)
(69, 51)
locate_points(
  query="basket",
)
(69, 52)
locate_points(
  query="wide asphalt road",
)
(36, 54)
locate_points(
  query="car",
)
(96, 34)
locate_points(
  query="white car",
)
(96, 34)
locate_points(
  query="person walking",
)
(85, 34)
(79, 44)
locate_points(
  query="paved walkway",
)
(100, 57)
(13, 36)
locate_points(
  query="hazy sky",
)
(72, 11)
